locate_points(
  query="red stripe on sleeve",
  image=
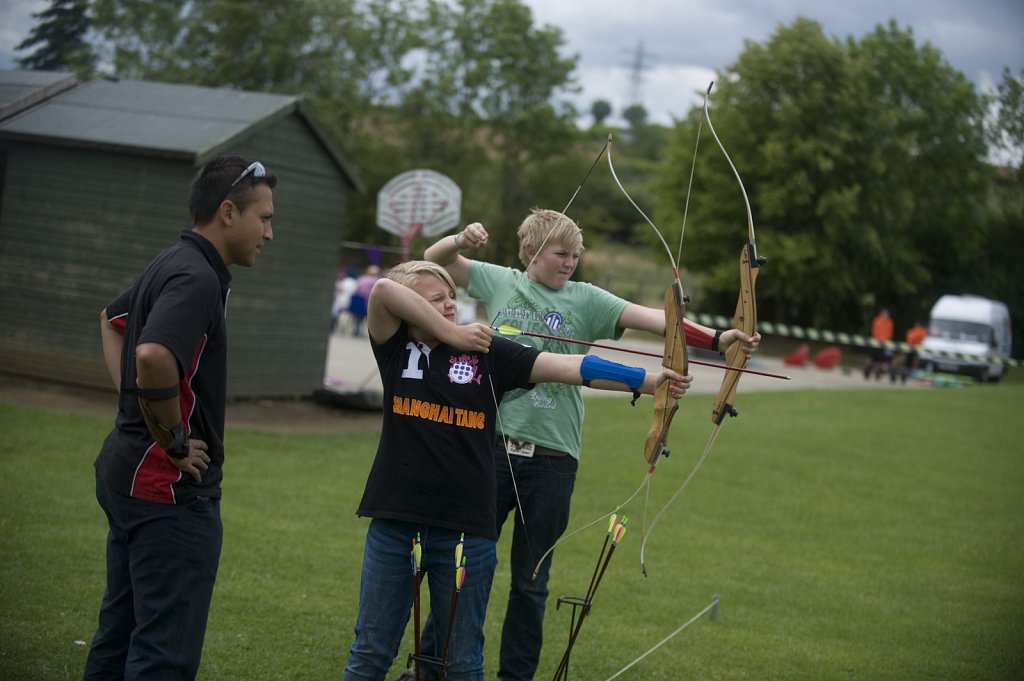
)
(697, 337)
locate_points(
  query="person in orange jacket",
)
(881, 330)
(914, 338)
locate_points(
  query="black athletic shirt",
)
(179, 303)
(435, 460)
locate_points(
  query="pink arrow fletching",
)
(619, 532)
(460, 576)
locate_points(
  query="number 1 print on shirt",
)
(412, 368)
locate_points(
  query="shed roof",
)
(20, 90)
(188, 122)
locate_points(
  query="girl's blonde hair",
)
(543, 226)
(409, 273)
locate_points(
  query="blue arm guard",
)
(596, 367)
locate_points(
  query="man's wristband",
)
(179, 445)
(455, 238)
(714, 341)
(172, 440)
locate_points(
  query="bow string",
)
(745, 319)
(674, 355)
(497, 311)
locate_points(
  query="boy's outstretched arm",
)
(601, 374)
(650, 319)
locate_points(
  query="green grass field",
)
(850, 535)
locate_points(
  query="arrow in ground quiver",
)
(460, 579)
(416, 558)
(616, 530)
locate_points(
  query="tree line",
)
(877, 174)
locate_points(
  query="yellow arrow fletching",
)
(505, 330)
(460, 576)
(417, 552)
(620, 531)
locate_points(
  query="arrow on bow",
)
(512, 331)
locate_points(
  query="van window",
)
(964, 331)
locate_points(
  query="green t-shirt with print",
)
(552, 413)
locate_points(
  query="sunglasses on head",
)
(256, 168)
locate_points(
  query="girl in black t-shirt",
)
(431, 486)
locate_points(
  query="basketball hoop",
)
(418, 202)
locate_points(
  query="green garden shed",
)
(95, 182)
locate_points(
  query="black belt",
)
(529, 449)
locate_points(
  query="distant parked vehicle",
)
(968, 335)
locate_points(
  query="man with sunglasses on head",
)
(158, 472)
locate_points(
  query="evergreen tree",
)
(59, 39)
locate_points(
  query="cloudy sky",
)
(682, 42)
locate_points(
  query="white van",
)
(968, 335)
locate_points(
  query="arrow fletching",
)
(417, 553)
(460, 575)
(458, 551)
(620, 532)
